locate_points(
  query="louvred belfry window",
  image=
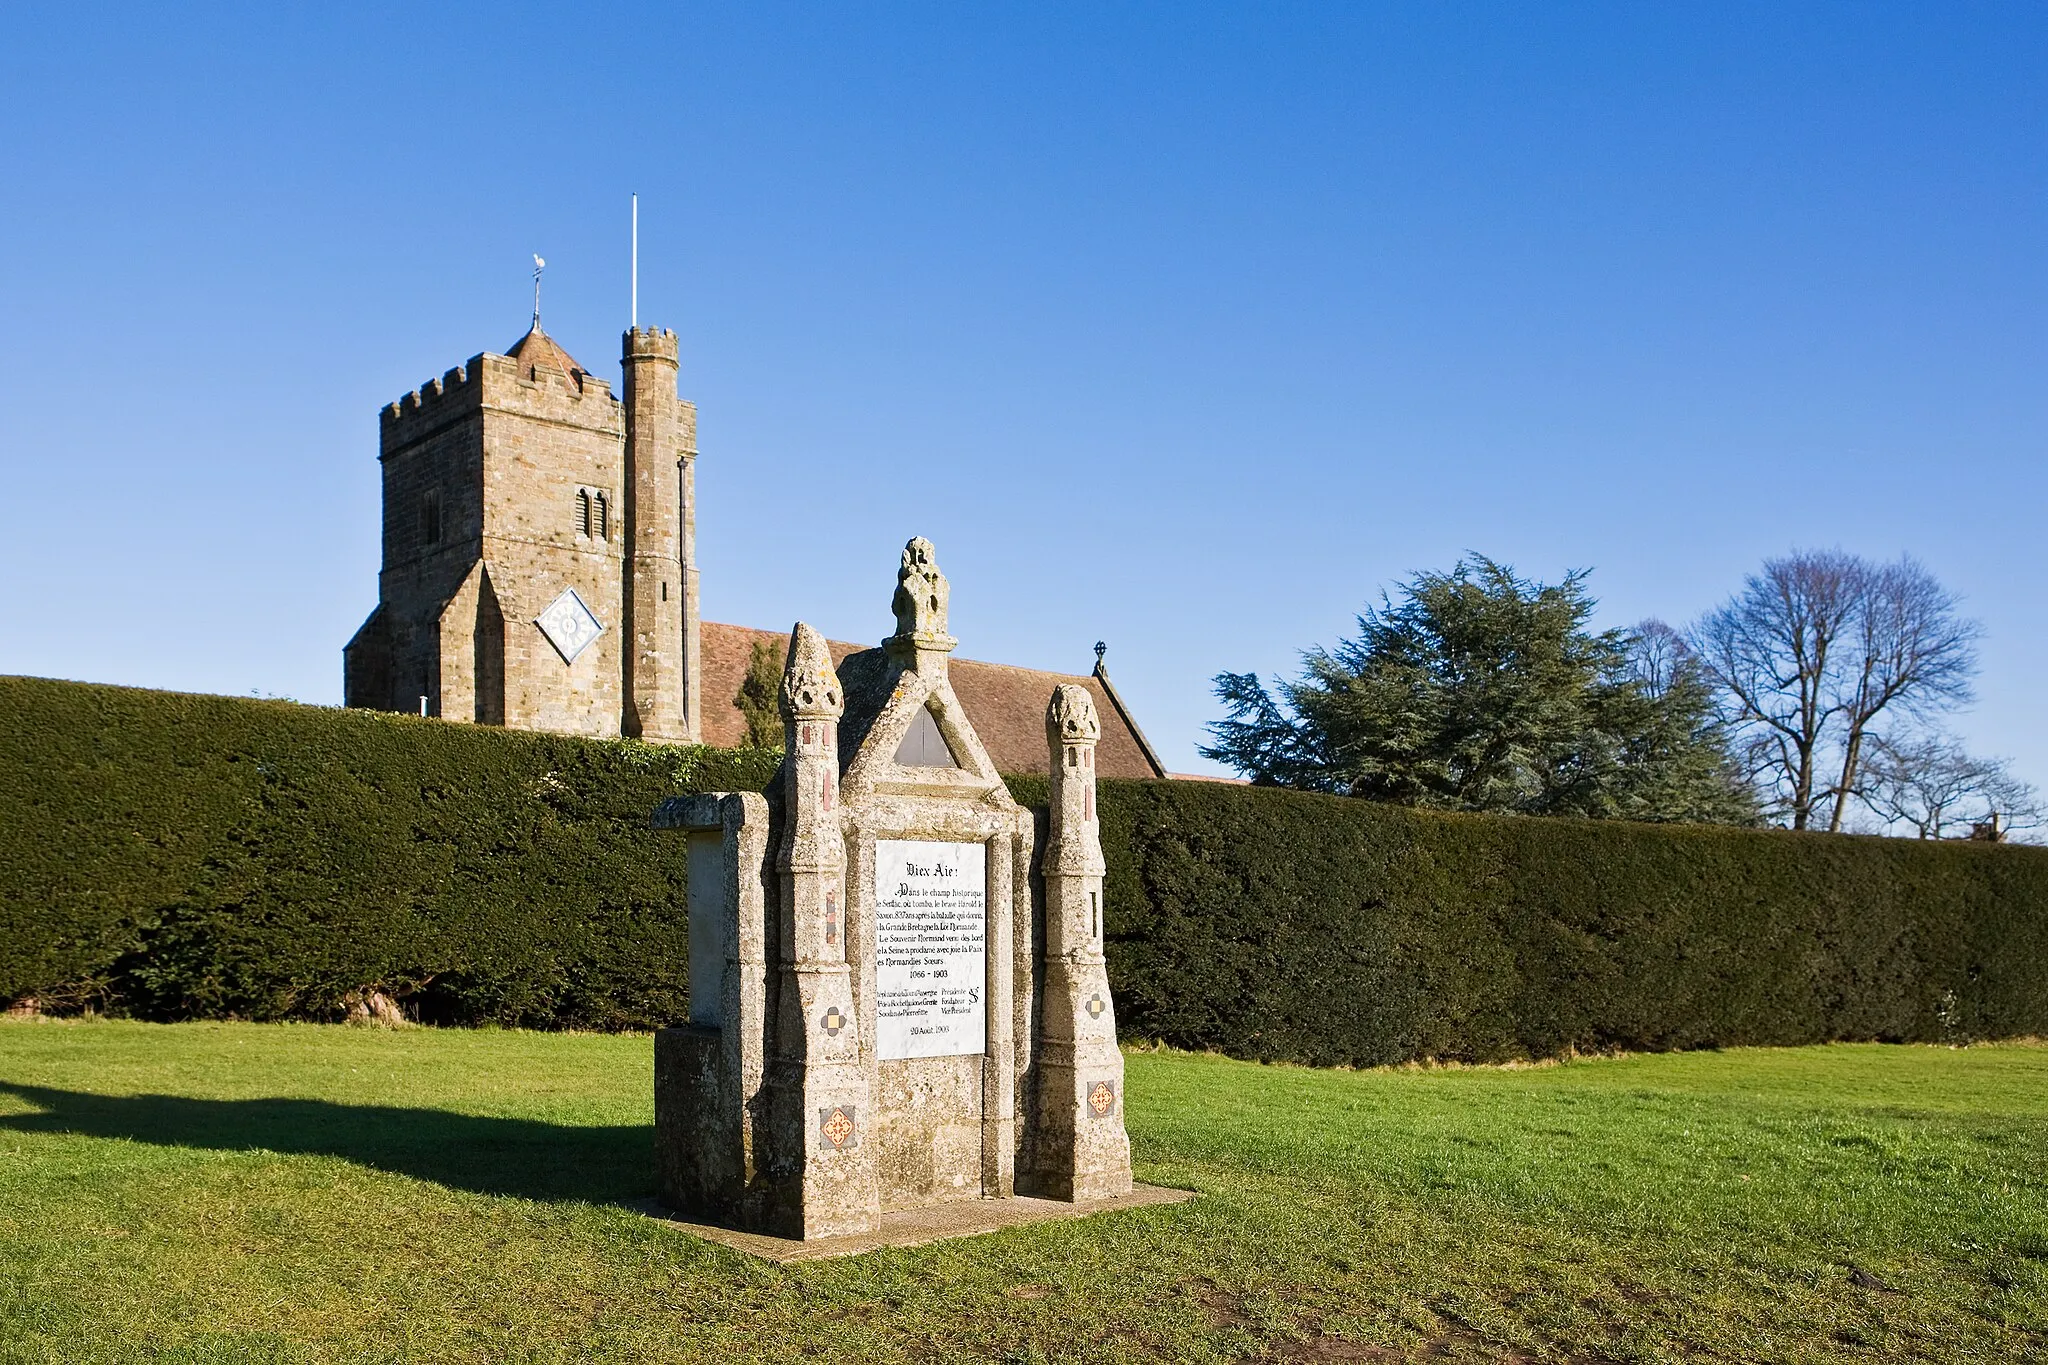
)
(593, 514)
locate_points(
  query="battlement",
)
(651, 343)
(544, 382)
(465, 387)
(435, 395)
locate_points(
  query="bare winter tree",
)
(1659, 656)
(1815, 649)
(1931, 784)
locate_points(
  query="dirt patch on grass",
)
(1220, 1307)
(1453, 1341)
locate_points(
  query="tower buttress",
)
(658, 596)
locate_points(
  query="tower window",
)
(593, 514)
(430, 516)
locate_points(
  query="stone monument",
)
(877, 1020)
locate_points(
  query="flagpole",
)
(635, 315)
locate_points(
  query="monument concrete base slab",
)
(915, 1227)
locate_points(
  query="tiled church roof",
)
(1005, 703)
(537, 349)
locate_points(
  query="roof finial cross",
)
(538, 266)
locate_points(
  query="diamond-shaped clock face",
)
(569, 625)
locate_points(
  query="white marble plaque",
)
(931, 948)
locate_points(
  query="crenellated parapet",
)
(652, 343)
(497, 381)
(572, 395)
(454, 389)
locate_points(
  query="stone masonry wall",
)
(428, 444)
(544, 439)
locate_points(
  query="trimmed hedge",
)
(178, 856)
(1322, 929)
(183, 856)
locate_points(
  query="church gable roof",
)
(1005, 704)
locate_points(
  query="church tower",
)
(537, 562)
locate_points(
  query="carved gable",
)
(906, 733)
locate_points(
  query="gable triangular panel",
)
(923, 746)
(880, 761)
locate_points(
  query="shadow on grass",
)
(519, 1157)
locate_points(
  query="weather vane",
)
(538, 266)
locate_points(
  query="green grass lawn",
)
(232, 1192)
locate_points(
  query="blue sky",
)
(1186, 328)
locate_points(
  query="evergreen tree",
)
(1483, 691)
(759, 697)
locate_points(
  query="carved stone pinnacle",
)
(810, 685)
(922, 593)
(1070, 717)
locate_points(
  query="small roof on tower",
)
(537, 349)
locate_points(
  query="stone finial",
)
(810, 687)
(1070, 717)
(921, 592)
